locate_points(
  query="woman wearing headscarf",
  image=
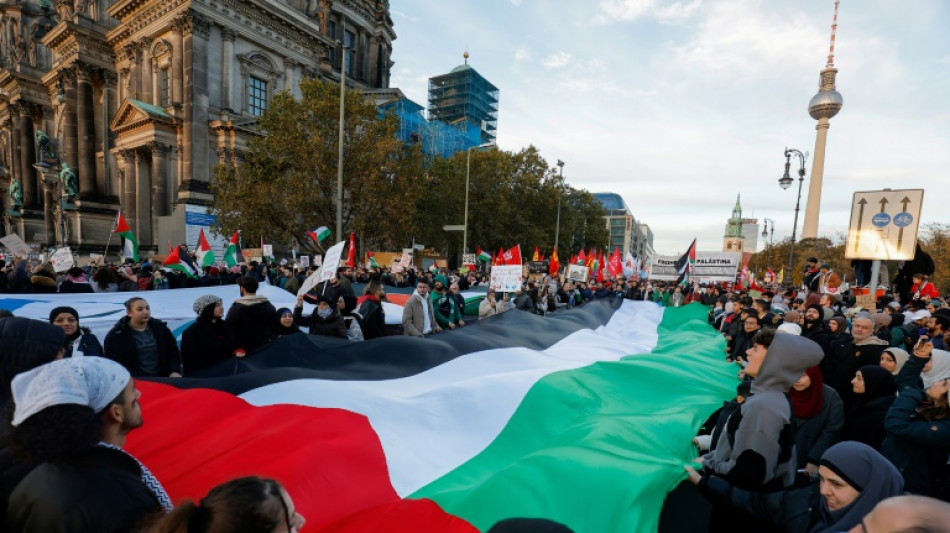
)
(936, 369)
(285, 323)
(893, 359)
(79, 340)
(852, 478)
(325, 319)
(918, 426)
(874, 391)
(208, 340)
(819, 417)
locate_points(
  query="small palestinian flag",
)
(318, 235)
(175, 261)
(372, 260)
(205, 255)
(130, 246)
(232, 255)
(482, 255)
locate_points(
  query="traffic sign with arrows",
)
(887, 234)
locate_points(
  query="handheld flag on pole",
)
(351, 258)
(318, 235)
(232, 255)
(482, 254)
(512, 256)
(130, 246)
(537, 254)
(176, 261)
(205, 255)
(554, 265)
(684, 265)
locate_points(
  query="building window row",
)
(257, 96)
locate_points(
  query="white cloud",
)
(522, 54)
(400, 14)
(516, 3)
(557, 60)
(629, 10)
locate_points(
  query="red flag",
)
(512, 256)
(600, 273)
(582, 258)
(591, 257)
(615, 265)
(500, 257)
(601, 265)
(351, 258)
(554, 266)
(537, 254)
(541, 257)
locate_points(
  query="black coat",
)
(205, 343)
(332, 326)
(251, 318)
(120, 347)
(102, 492)
(374, 319)
(70, 287)
(866, 422)
(88, 344)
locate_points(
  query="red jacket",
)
(924, 289)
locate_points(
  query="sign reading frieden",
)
(709, 267)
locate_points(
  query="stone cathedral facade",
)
(138, 100)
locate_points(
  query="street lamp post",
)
(785, 182)
(468, 172)
(557, 223)
(339, 159)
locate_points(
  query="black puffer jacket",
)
(374, 318)
(251, 318)
(120, 347)
(205, 343)
(332, 326)
(112, 498)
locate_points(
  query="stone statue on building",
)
(68, 179)
(46, 150)
(16, 194)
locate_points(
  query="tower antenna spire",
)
(834, 31)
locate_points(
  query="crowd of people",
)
(839, 412)
(840, 409)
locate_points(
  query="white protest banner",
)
(310, 282)
(710, 267)
(304, 260)
(506, 278)
(318, 260)
(15, 244)
(267, 250)
(62, 259)
(578, 273)
(468, 259)
(332, 261)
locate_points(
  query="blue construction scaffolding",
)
(436, 138)
(463, 96)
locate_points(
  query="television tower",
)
(822, 107)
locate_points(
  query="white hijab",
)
(939, 370)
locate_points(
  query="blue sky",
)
(680, 105)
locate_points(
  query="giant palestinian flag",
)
(584, 417)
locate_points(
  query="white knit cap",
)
(90, 381)
(788, 327)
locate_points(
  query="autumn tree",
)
(513, 199)
(287, 181)
(935, 240)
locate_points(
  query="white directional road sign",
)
(884, 224)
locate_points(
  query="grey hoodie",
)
(757, 448)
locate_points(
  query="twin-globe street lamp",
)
(766, 232)
(785, 182)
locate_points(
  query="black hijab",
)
(868, 472)
(878, 383)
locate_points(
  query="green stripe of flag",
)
(598, 448)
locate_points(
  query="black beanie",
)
(63, 309)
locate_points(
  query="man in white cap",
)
(71, 420)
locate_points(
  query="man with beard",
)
(814, 328)
(865, 349)
(71, 421)
(939, 326)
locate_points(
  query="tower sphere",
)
(825, 104)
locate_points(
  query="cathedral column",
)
(161, 203)
(227, 59)
(143, 188)
(178, 76)
(69, 133)
(15, 168)
(145, 67)
(195, 112)
(86, 133)
(289, 74)
(28, 175)
(104, 182)
(127, 168)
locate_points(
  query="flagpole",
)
(105, 256)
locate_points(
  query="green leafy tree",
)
(513, 199)
(287, 182)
